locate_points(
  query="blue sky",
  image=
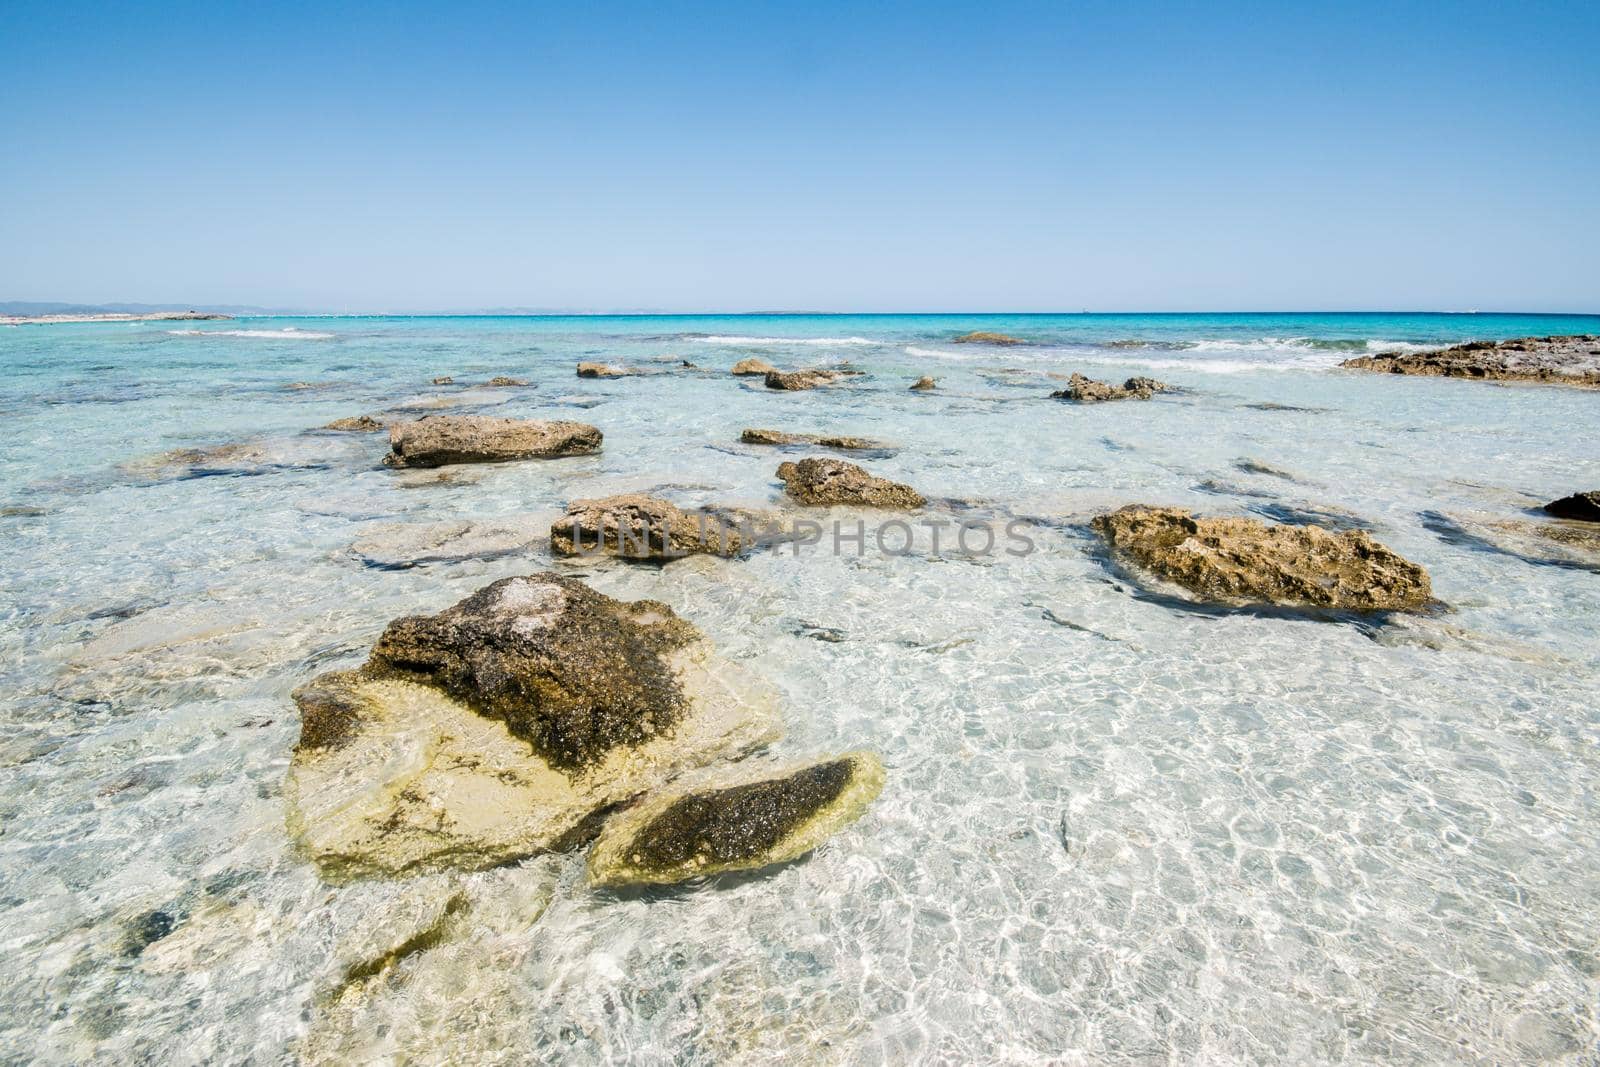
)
(808, 156)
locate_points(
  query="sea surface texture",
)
(1118, 827)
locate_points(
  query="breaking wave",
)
(735, 339)
(288, 333)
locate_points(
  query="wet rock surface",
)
(985, 337)
(1088, 390)
(504, 725)
(400, 545)
(752, 368)
(356, 424)
(743, 820)
(1579, 507)
(923, 384)
(819, 480)
(1244, 561)
(505, 381)
(1557, 360)
(806, 379)
(440, 440)
(844, 443)
(604, 370)
(637, 526)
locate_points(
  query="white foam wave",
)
(1403, 346)
(734, 339)
(288, 333)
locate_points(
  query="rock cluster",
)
(1569, 360)
(1087, 390)
(1243, 561)
(439, 440)
(819, 480)
(984, 337)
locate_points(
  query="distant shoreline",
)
(110, 316)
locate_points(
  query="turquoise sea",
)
(1116, 829)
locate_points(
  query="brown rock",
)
(752, 367)
(779, 437)
(1087, 390)
(806, 379)
(1580, 507)
(503, 380)
(356, 424)
(1567, 360)
(439, 440)
(924, 383)
(1237, 561)
(603, 370)
(444, 380)
(635, 526)
(819, 480)
(984, 337)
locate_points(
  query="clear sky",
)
(815, 156)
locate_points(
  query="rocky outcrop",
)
(818, 480)
(1570, 360)
(780, 437)
(1243, 561)
(1087, 390)
(439, 440)
(752, 368)
(984, 337)
(400, 545)
(743, 820)
(924, 383)
(806, 379)
(505, 726)
(1580, 507)
(504, 381)
(604, 370)
(356, 424)
(635, 526)
(444, 379)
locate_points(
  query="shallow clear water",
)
(1114, 830)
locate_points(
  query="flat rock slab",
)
(806, 379)
(1571, 360)
(741, 819)
(843, 443)
(1243, 561)
(985, 337)
(409, 544)
(440, 440)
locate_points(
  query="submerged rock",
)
(636, 526)
(984, 337)
(752, 367)
(505, 725)
(733, 821)
(439, 440)
(1570, 360)
(1580, 507)
(444, 379)
(1242, 561)
(244, 458)
(356, 424)
(1087, 390)
(505, 381)
(841, 442)
(806, 379)
(924, 383)
(408, 544)
(819, 480)
(604, 370)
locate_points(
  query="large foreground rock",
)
(1243, 561)
(819, 480)
(1087, 390)
(439, 440)
(844, 443)
(752, 368)
(1581, 507)
(731, 821)
(806, 379)
(636, 526)
(504, 725)
(1573, 360)
(984, 337)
